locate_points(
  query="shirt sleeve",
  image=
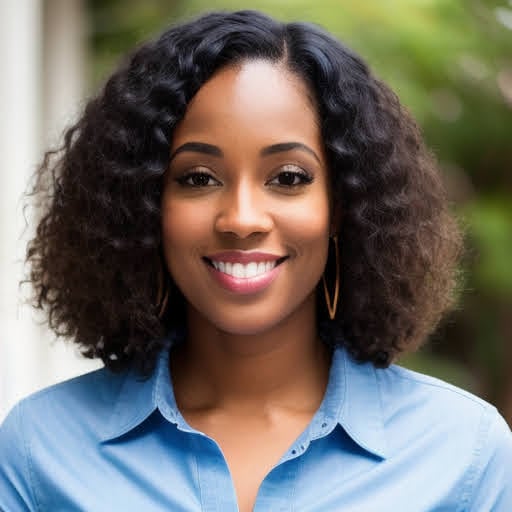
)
(493, 483)
(15, 489)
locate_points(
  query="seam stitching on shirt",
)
(28, 458)
(202, 492)
(196, 463)
(300, 465)
(476, 467)
(334, 417)
(448, 387)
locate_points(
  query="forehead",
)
(256, 99)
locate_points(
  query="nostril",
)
(243, 223)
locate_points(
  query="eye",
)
(291, 176)
(197, 179)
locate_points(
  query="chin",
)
(246, 327)
(256, 322)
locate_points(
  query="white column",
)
(42, 84)
(20, 40)
(64, 62)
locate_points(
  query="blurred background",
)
(450, 61)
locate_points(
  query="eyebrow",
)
(288, 146)
(198, 147)
(210, 149)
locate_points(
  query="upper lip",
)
(243, 256)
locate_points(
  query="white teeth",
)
(238, 270)
(242, 271)
(251, 270)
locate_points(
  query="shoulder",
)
(91, 395)
(86, 400)
(425, 402)
(403, 386)
(462, 431)
(80, 406)
(42, 424)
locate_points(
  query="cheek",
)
(183, 227)
(307, 222)
(182, 232)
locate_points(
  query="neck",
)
(286, 366)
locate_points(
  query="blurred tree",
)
(117, 25)
(451, 64)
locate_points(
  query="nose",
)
(243, 211)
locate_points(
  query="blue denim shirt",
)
(387, 440)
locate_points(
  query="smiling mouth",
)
(245, 270)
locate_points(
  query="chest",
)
(251, 449)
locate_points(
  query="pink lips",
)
(244, 285)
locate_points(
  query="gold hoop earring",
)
(332, 306)
(162, 296)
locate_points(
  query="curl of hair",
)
(95, 258)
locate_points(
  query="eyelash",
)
(304, 178)
(185, 180)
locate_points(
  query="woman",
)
(246, 228)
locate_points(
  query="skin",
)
(252, 371)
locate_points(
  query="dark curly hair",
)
(96, 256)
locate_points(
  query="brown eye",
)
(288, 179)
(197, 179)
(291, 178)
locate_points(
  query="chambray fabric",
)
(382, 440)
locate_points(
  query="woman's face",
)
(245, 204)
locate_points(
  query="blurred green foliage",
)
(490, 223)
(450, 62)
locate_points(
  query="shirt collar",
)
(352, 400)
(139, 397)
